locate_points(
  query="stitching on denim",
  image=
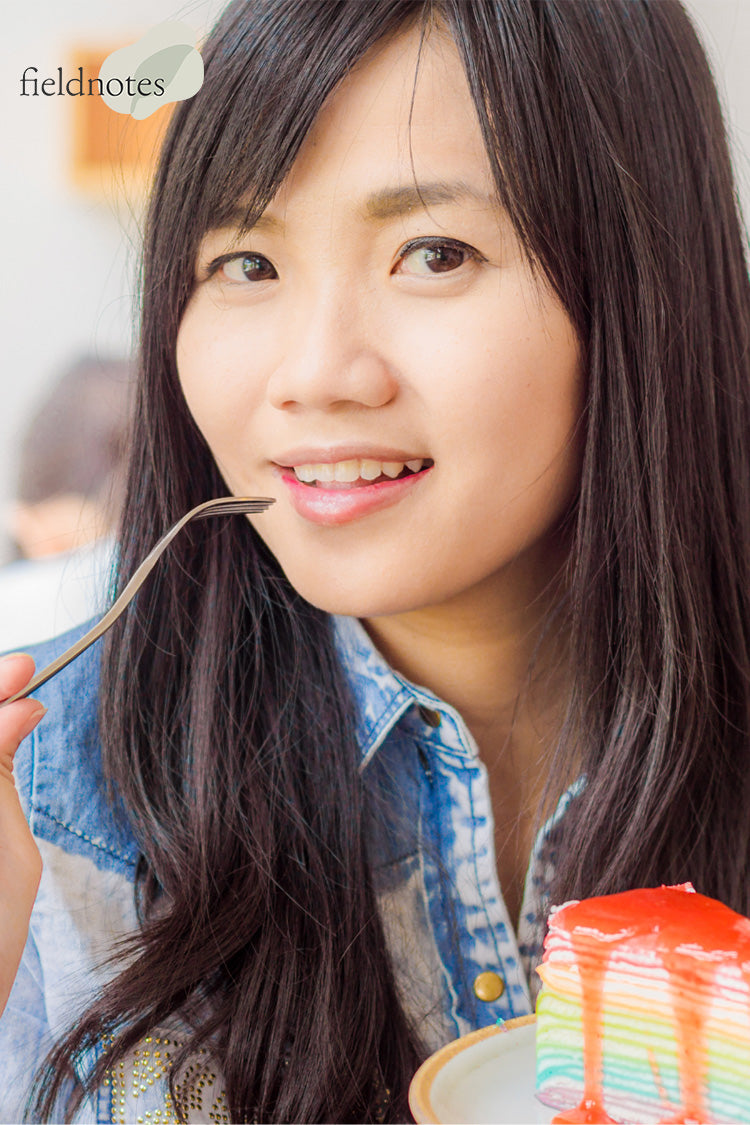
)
(34, 741)
(82, 835)
(490, 927)
(431, 790)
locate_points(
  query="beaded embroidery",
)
(196, 1089)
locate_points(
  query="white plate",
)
(486, 1077)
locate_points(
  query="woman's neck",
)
(484, 653)
(487, 656)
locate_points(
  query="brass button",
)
(488, 987)
(432, 718)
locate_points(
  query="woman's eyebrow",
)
(236, 219)
(382, 205)
(391, 202)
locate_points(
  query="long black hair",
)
(226, 726)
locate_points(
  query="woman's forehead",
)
(406, 105)
(398, 134)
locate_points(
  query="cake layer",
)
(641, 1072)
(644, 1013)
(651, 1031)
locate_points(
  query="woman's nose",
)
(329, 358)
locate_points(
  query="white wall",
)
(724, 26)
(68, 262)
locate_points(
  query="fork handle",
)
(109, 618)
(127, 595)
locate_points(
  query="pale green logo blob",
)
(162, 66)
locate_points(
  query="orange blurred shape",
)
(112, 154)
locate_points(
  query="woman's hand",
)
(20, 862)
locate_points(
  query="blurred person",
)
(68, 496)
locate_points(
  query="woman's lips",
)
(336, 502)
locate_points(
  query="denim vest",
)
(432, 855)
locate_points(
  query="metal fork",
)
(226, 505)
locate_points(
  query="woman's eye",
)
(426, 259)
(244, 267)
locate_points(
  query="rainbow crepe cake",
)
(644, 1013)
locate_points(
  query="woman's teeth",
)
(347, 472)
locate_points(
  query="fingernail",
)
(33, 720)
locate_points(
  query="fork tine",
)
(239, 504)
(225, 505)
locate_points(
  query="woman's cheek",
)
(210, 373)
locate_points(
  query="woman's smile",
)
(356, 473)
(337, 493)
(333, 486)
(377, 353)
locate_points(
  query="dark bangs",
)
(269, 67)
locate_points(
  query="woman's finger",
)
(18, 719)
(16, 670)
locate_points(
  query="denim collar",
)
(383, 697)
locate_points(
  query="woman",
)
(463, 287)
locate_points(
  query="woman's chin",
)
(361, 597)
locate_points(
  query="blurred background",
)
(70, 224)
(71, 218)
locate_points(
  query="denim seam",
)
(451, 991)
(104, 1100)
(82, 835)
(34, 743)
(490, 927)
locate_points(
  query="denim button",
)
(488, 987)
(432, 718)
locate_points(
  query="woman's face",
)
(397, 344)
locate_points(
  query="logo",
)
(161, 67)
